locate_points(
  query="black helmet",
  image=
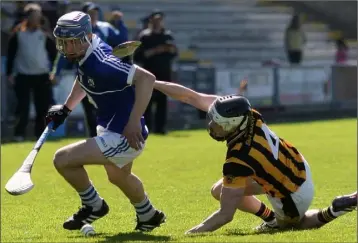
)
(228, 115)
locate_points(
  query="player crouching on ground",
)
(120, 92)
(257, 162)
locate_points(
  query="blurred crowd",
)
(34, 66)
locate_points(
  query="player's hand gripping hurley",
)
(21, 183)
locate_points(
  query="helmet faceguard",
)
(74, 47)
(228, 117)
(71, 33)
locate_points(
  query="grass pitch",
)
(178, 171)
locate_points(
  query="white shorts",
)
(115, 147)
(301, 198)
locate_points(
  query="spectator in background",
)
(295, 40)
(107, 33)
(52, 10)
(342, 51)
(156, 54)
(145, 25)
(117, 21)
(104, 30)
(31, 52)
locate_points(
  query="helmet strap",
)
(238, 134)
(88, 40)
(234, 137)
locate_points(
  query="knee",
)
(118, 180)
(116, 175)
(112, 178)
(60, 159)
(216, 190)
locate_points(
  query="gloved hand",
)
(57, 114)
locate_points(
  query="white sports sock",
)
(90, 197)
(144, 210)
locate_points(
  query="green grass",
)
(178, 171)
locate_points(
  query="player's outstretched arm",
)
(186, 95)
(76, 95)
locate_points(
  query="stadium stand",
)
(236, 33)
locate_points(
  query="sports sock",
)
(144, 210)
(90, 197)
(265, 213)
(327, 214)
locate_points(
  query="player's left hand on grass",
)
(133, 133)
(57, 114)
(193, 230)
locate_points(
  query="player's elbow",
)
(216, 190)
(150, 78)
(226, 217)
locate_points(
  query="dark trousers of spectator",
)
(90, 115)
(295, 57)
(160, 114)
(41, 89)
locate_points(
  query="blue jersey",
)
(108, 84)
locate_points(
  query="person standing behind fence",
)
(109, 34)
(342, 51)
(295, 40)
(31, 52)
(156, 54)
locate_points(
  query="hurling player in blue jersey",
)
(121, 93)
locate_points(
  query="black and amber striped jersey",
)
(269, 160)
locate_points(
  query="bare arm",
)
(143, 81)
(186, 95)
(76, 95)
(229, 199)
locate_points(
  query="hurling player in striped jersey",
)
(257, 162)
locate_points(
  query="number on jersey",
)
(272, 139)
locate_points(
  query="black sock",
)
(325, 215)
(265, 213)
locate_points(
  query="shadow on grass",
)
(135, 236)
(179, 135)
(98, 235)
(240, 232)
(125, 237)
